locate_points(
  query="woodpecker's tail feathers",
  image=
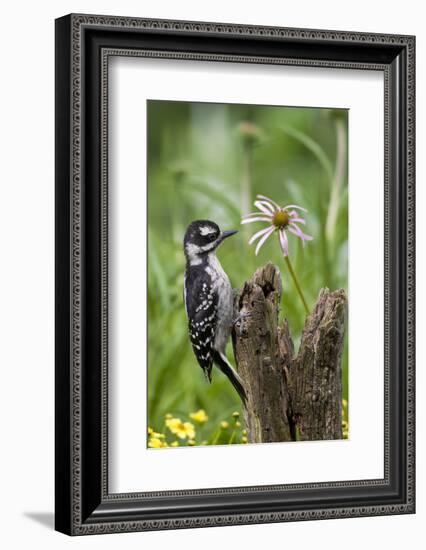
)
(222, 362)
(208, 374)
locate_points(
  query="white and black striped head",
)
(201, 238)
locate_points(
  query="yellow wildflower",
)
(156, 443)
(199, 416)
(153, 433)
(191, 442)
(238, 424)
(174, 444)
(168, 415)
(156, 435)
(244, 439)
(181, 429)
(236, 415)
(224, 425)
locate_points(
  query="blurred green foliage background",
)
(208, 161)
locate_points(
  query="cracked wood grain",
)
(290, 396)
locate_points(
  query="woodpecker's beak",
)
(225, 234)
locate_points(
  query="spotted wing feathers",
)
(201, 307)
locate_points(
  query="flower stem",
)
(296, 283)
(232, 438)
(246, 180)
(216, 437)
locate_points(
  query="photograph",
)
(247, 259)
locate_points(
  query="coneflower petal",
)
(258, 234)
(253, 214)
(265, 207)
(268, 214)
(267, 199)
(263, 239)
(283, 241)
(294, 214)
(297, 220)
(297, 231)
(249, 220)
(294, 206)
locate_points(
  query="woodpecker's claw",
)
(239, 318)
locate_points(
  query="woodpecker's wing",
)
(201, 308)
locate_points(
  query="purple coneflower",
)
(282, 220)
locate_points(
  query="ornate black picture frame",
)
(84, 43)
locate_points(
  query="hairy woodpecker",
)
(209, 299)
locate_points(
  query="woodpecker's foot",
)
(240, 317)
(239, 323)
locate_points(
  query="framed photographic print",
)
(234, 274)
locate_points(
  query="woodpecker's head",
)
(201, 238)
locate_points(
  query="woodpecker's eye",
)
(208, 233)
(212, 237)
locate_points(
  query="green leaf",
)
(204, 187)
(313, 146)
(157, 278)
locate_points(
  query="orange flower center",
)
(281, 219)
